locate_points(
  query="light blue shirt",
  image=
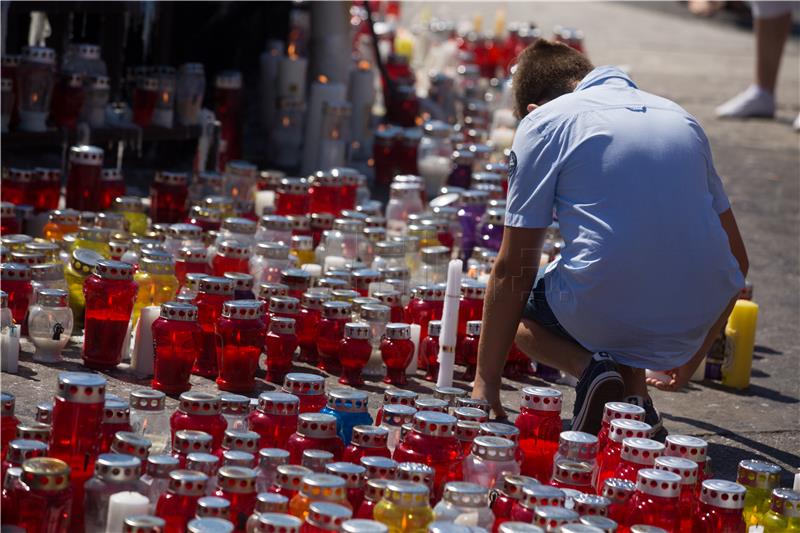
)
(646, 268)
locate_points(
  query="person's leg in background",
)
(772, 22)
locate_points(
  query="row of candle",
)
(536, 472)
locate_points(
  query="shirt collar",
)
(605, 75)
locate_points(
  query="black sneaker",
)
(600, 383)
(651, 416)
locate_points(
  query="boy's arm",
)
(507, 292)
(738, 250)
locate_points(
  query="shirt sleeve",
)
(533, 175)
(719, 199)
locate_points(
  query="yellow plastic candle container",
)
(404, 508)
(81, 265)
(93, 238)
(784, 512)
(741, 335)
(759, 478)
(132, 208)
(157, 284)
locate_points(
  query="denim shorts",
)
(538, 310)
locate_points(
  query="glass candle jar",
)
(164, 109)
(397, 350)
(47, 190)
(318, 488)
(315, 431)
(240, 330)
(302, 249)
(350, 408)
(297, 280)
(20, 450)
(83, 178)
(268, 261)
(618, 492)
(16, 280)
(335, 315)
(280, 344)
(275, 418)
(242, 285)
(34, 87)
(16, 184)
(367, 441)
(473, 206)
(355, 350)
(509, 493)
(168, 195)
(539, 424)
(116, 417)
(182, 235)
(427, 304)
(687, 501)
(188, 442)
(60, 223)
(373, 493)
(692, 448)
(355, 482)
(429, 351)
(720, 507)
(577, 447)
(404, 200)
(619, 429)
(228, 108)
(404, 507)
(231, 256)
(269, 459)
(177, 339)
(145, 98)
(491, 229)
(614, 411)
(432, 442)
(655, 500)
(489, 460)
(235, 409)
(571, 475)
(68, 99)
(9, 224)
(470, 304)
(325, 517)
(157, 283)
(43, 496)
(148, 418)
(113, 473)
(289, 479)
(189, 93)
(177, 505)
(637, 453)
(267, 502)
(759, 479)
(466, 504)
(309, 388)
(211, 295)
(292, 197)
(110, 293)
(190, 260)
(201, 412)
(469, 349)
(307, 325)
(156, 476)
(93, 111)
(393, 396)
(533, 497)
(130, 443)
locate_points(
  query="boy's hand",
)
(677, 378)
(482, 391)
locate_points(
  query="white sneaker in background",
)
(796, 123)
(752, 102)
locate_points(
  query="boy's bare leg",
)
(551, 349)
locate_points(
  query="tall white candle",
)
(447, 336)
(321, 92)
(292, 77)
(9, 349)
(142, 355)
(122, 505)
(796, 485)
(416, 330)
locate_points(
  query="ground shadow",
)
(753, 390)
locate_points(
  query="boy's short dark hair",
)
(546, 70)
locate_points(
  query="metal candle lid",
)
(271, 458)
(44, 412)
(542, 399)
(268, 290)
(465, 494)
(519, 527)
(216, 285)
(27, 257)
(236, 479)
(52, 297)
(33, 431)
(327, 516)
(618, 410)
(499, 429)
(143, 524)
(785, 502)
(169, 177)
(160, 465)
(179, 311)
(618, 490)
(188, 441)
(187, 482)
(64, 216)
(591, 505)
(577, 445)
(213, 507)
(692, 448)
(542, 495)
(278, 523)
(242, 309)
(434, 293)
(356, 330)
(245, 441)
(622, 428)
(361, 525)
(21, 449)
(343, 295)
(398, 331)
(234, 404)
(290, 477)
(147, 400)
(407, 493)
(493, 448)
(723, 494)
(117, 468)
(474, 327)
(94, 234)
(375, 488)
(348, 400)
(370, 436)
(239, 225)
(130, 443)
(81, 387)
(473, 289)
(449, 394)
(83, 154)
(316, 459)
(199, 403)
(234, 249)
(317, 425)
(313, 300)
(267, 502)
(129, 203)
(303, 243)
(513, 484)
(432, 404)
(434, 328)
(45, 474)
(336, 310)
(685, 468)
(116, 270)
(398, 414)
(658, 483)
(641, 451)
(296, 278)
(471, 413)
(238, 458)
(156, 265)
(758, 474)
(284, 304)
(375, 312)
(353, 474)
(552, 517)
(15, 272)
(323, 487)
(302, 384)
(203, 462)
(416, 472)
(272, 250)
(278, 403)
(379, 467)
(572, 473)
(209, 524)
(399, 396)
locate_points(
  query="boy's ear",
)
(531, 107)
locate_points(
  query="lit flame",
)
(323, 78)
(292, 51)
(364, 65)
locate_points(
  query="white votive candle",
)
(122, 505)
